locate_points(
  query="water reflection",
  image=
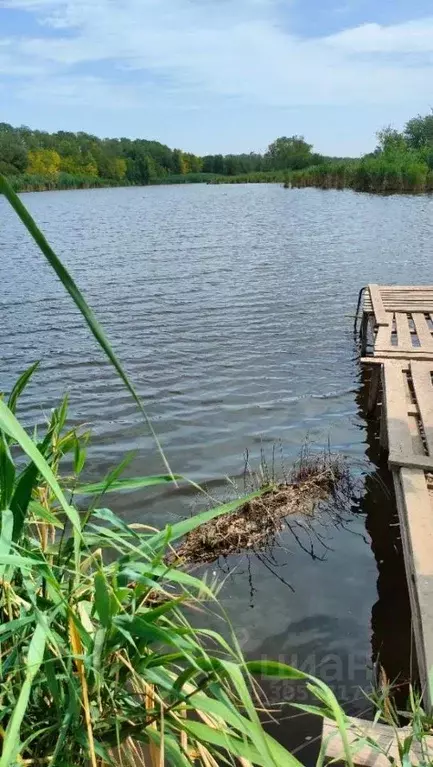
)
(391, 616)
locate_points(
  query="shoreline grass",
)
(372, 175)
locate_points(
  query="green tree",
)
(419, 132)
(390, 141)
(13, 153)
(141, 169)
(290, 153)
(194, 163)
(179, 163)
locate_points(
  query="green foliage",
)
(419, 132)
(254, 177)
(13, 153)
(45, 162)
(70, 160)
(141, 169)
(391, 142)
(189, 178)
(27, 182)
(289, 153)
(66, 160)
(93, 626)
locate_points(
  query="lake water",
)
(231, 307)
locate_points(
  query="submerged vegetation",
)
(316, 484)
(100, 663)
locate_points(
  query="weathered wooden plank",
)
(423, 331)
(383, 337)
(416, 288)
(403, 335)
(383, 359)
(379, 310)
(405, 293)
(410, 461)
(406, 431)
(386, 737)
(415, 435)
(406, 296)
(422, 383)
(416, 298)
(399, 437)
(407, 351)
(409, 306)
(381, 355)
(419, 526)
(415, 293)
(410, 577)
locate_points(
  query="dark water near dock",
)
(231, 308)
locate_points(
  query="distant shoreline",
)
(369, 176)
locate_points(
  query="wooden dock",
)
(397, 342)
(361, 735)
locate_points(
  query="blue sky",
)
(217, 75)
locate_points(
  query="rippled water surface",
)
(231, 308)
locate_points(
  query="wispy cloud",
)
(199, 50)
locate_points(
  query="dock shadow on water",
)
(355, 679)
(393, 649)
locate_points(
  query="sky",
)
(214, 76)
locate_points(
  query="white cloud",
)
(219, 48)
(412, 37)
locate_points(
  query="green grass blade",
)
(102, 599)
(183, 528)
(72, 288)
(275, 669)
(10, 425)
(20, 386)
(34, 659)
(7, 526)
(7, 473)
(129, 483)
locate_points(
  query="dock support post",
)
(364, 333)
(383, 421)
(374, 389)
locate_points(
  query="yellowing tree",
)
(120, 168)
(45, 162)
(79, 166)
(194, 164)
(89, 168)
(180, 164)
(69, 164)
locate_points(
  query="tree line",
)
(35, 159)
(401, 162)
(65, 155)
